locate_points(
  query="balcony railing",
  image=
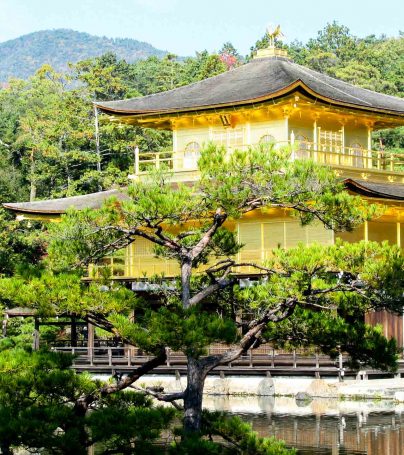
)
(332, 155)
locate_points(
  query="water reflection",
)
(322, 426)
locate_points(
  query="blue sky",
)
(185, 26)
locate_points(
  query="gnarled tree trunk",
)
(193, 396)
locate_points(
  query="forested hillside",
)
(21, 57)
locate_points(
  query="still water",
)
(323, 426)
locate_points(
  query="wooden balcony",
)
(258, 361)
(347, 161)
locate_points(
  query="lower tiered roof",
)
(56, 207)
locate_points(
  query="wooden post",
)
(247, 130)
(35, 342)
(5, 320)
(73, 331)
(97, 140)
(136, 160)
(273, 359)
(175, 140)
(342, 151)
(294, 358)
(110, 357)
(292, 143)
(286, 118)
(369, 144)
(251, 358)
(315, 139)
(90, 338)
(340, 368)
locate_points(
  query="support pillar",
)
(90, 336)
(73, 332)
(137, 158)
(248, 133)
(4, 327)
(292, 143)
(35, 341)
(315, 140)
(286, 134)
(342, 152)
(369, 147)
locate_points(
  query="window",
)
(267, 139)
(302, 150)
(229, 137)
(191, 155)
(357, 155)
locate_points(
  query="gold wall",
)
(260, 232)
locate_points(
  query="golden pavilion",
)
(271, 99)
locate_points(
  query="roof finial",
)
(273, 33)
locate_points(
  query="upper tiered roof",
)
(260, 80)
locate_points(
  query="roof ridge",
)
(151, 95)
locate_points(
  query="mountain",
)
(22, 56)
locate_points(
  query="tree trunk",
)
(193, 396)
(186, 269)
(32, 194)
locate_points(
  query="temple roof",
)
(260, 80)
(59, 206)
(375, 189)
(96, 200)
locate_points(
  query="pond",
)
(322, 426)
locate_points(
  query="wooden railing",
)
(332, 155)
(353, 157)
(263, 359)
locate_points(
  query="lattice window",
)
(330, 140)
(233, 137)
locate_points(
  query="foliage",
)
(59, 294)
(38, 392)
(237, 435)
(21, 243)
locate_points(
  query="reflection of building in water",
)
(324, 426)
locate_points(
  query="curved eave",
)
(54, 208)
(283, 92)
(13, 208)
(364, 190)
